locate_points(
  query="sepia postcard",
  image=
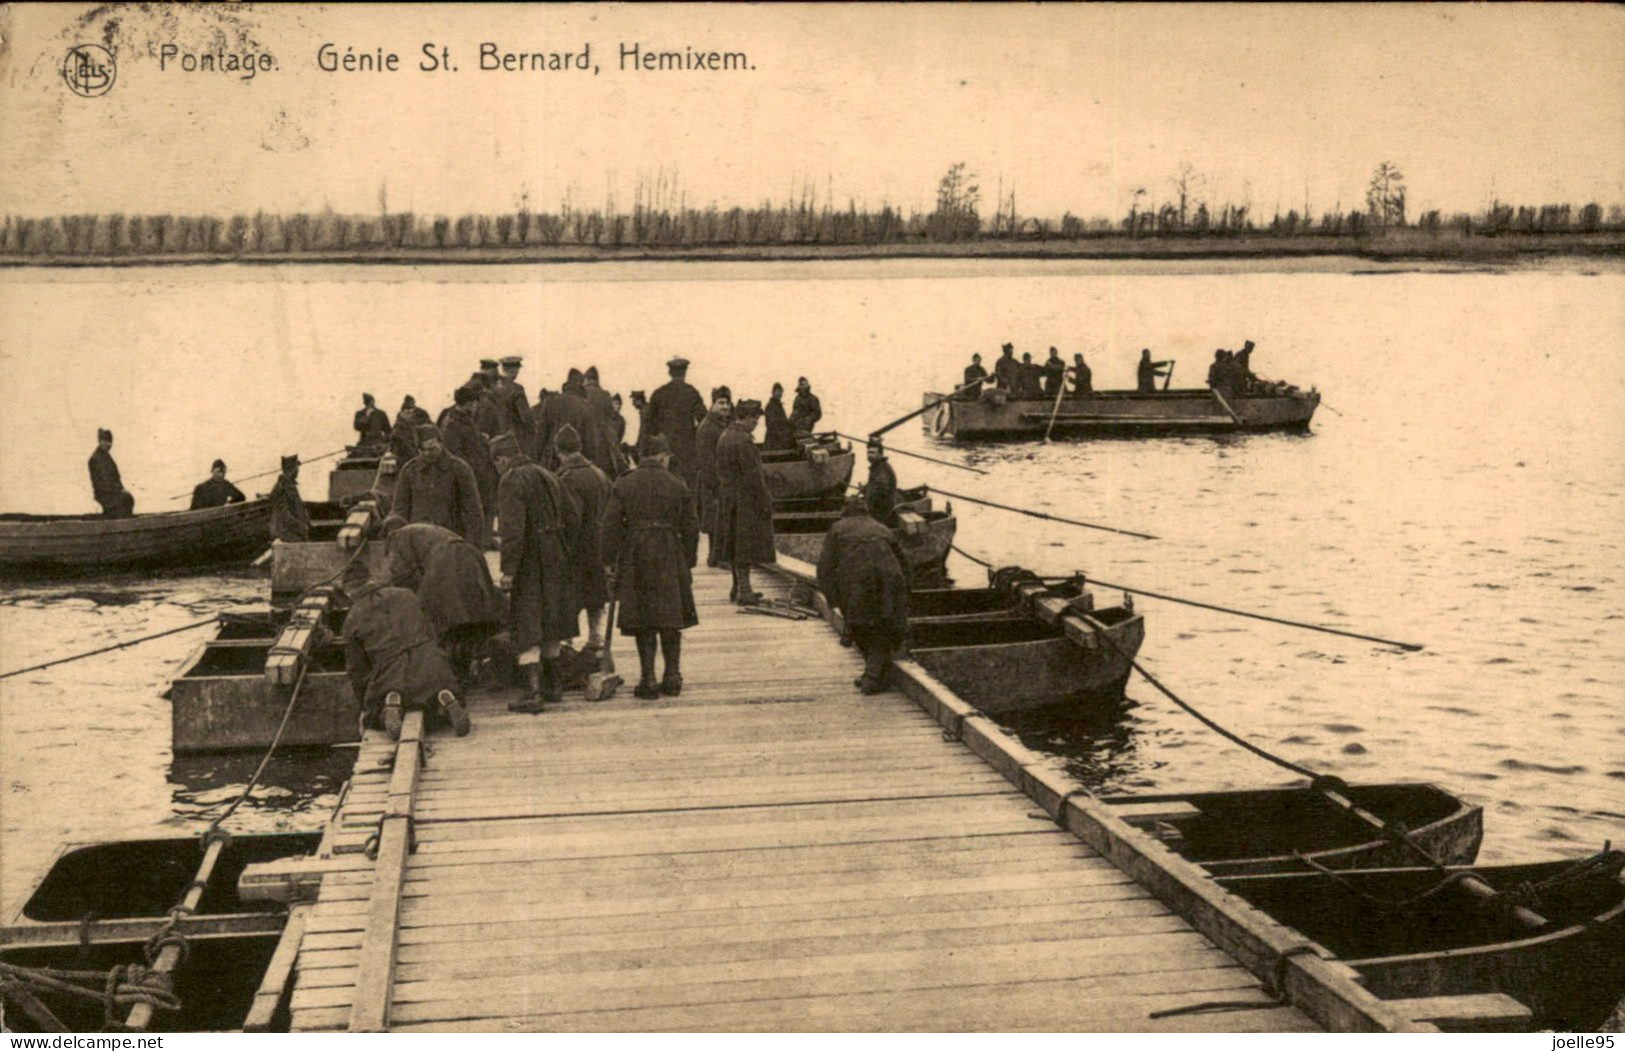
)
(812, 518)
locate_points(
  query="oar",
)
(1040, 514)
(1225, 405)
(927, 407)
(267, 474)
(1168, 377)
(917, 456)
(1055, 411)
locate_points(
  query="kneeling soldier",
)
(392, 658)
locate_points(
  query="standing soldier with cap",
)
(371, 425)
(777, 436)
(744, 504)
(486, 417)
(1007, 370)
(1054, 375)
(105, 483)
(290, 522)
(675, 411)
(462, 439)
(880, 492)
(640, 405)
(705, 452)
(567, 408)
(539, 522)
(859, 574)
(588, 486)
(438, 487)
(216, 492)
(650, 535)
(807, 410)
(513, 405)
(392, 658)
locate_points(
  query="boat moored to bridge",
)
(1120, 413)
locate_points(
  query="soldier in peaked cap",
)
(513, 405)
(675, 411)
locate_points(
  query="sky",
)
(1072, 107)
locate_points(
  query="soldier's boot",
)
(552, 681)
(646, 689)
(671, 645)
(392, 715)
(529, 703)
(744, 594)
(456, 713)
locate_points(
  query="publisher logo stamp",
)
(89, 70)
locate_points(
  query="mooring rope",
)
(267, 474)
(1041, 514)
(108, 649)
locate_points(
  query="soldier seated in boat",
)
(880, 492)
(859, 574)
(971, 389)
(392, 659)
(1082, 378)
(216, 492)
(105, 483)
(1150, 371)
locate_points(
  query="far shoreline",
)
(1403, 249)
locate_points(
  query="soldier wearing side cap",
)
(105, 483)
(437, 487)
(290, 522)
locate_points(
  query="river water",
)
(1463, 487)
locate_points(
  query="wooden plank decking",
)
(771, 850)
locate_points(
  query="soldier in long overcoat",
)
(513, 406)
(391, 656)
(675, 411)
(290, 522)
(705, 454)
(778, 436)
(539, 521)
(462, 438)
(453, 584)
(588, 485)
(806, 411)
(859, 573)
(650, 536)
(603, 445)
(438, 487)
(880, 491)
(744, 504)
(567, 408)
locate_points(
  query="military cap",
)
(221, 464)
(678, 363)
(291, 460)
(103, 434)
(747, 408)
(656, 445)
(567, 439)
(512, 361)
(592, 373)
(488, 363)
(504, 445)
(427, 432)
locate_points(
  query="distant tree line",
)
(660, 217)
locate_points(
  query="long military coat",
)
(675, 411)
(777, 434)
(290, 522)
(462, 438)
(589, 486)
(705, 458)
(445, 493)
(859, 573)
(389, 645)
(806, 412)
(567, 407)
(880, 493)
(539, 521)
(744, 505)
(449, 574)
(650, 535)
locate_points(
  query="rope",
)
(1041, 514)
(267, 474)
(979, 561)
(917, 456)
(107, 649)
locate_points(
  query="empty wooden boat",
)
(224, 697)
(1272, 829)
(70, 545)
(818, 466)
(1019, 645)
(1418, 933)
(1111, 413)
(98, 905)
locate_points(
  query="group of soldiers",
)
(1230, 373)
(581, 517)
